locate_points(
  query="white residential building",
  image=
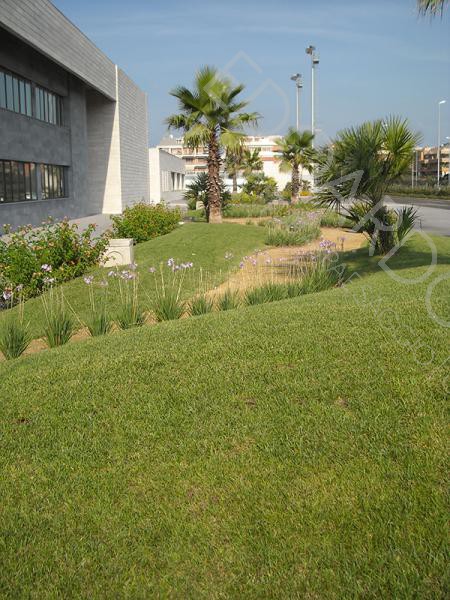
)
(167, 176)
(196, 160)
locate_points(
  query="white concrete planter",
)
(119, 252)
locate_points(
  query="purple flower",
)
(88, 279)
(152, 270)
(170, 262)
(46, 268)
(133, 266)
(112, 274)
(241, 265)
(7, 295)
(103, 283)
(19, 288)
(49, 280)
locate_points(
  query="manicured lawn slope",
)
(295, 449)
(204, 245)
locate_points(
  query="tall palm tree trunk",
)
(295, 184)
(235, 182)
(214, 191)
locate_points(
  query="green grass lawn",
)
(288, 450)
(204, 245)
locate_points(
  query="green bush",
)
(259, 188)
(55, 251)
(426, 191)
(143, 222)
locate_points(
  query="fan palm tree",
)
(432, 7)
(233, 164)
(210, 115)
(251, 162)
(359, 168)
(296, 153)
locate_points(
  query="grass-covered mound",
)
(293, 449)
(216, 249)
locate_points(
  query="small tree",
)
(260, 187)
(251, 162)
(197, 191)
(233, 165)
(210, 115)
(361, 164)
(296, 153)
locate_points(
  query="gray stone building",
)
(73, 126)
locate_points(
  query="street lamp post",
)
(314, 61)
(298, 84)
(439, 144)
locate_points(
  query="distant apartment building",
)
(167, 176)
(196, 160)
(426, 163)
(73, 125)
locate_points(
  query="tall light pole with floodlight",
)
(298, 84)
(311, 50)
(439, 144)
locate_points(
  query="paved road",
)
(432, 215)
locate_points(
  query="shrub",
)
(197, 191)
(331, 218)
(200, 305)
(228, 300)
(56, 251)
(143, 222)
(260, 187)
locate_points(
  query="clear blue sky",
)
(376, 57)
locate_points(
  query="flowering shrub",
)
(56, 252)
(143, 222)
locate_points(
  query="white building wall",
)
(133, 131)
(167, 176)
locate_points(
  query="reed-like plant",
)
(169, 279)
(14, 332)
(228, 300)
(59, 320)
(98, 321)
(200, 305)
(130, 314)
(268, 292)
(292, 230)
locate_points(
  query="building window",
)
(53, 182)
(48, 106)
(17, 181)
(15, 94)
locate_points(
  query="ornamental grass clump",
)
(200, 305)
(229, 300)
(59, 320)
(14, 332)
(269, 292)
(131, 313)
(98, 322)
(293, 230)
(167, 304)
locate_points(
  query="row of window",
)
(22, 96)
(19, 181)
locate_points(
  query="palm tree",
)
(251, 162)
(296, 153)
(433, 7)
(233, 164)
(197, 191)
(210, 115)
(359, 168)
